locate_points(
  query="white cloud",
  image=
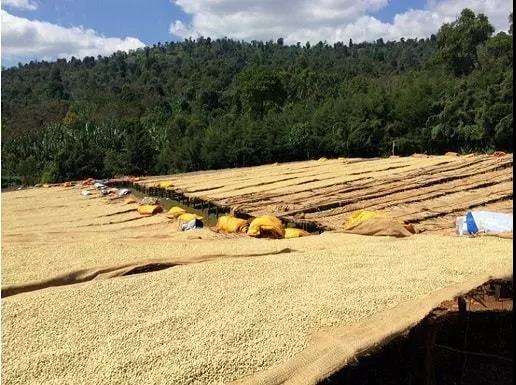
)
(180, 29)
(319, 20)
(21, 4)
(31, 39)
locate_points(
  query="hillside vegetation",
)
(209, 104)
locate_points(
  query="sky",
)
(51, 29)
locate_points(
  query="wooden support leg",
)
(498, 290)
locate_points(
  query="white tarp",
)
(484, 222)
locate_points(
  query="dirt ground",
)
(253, 306)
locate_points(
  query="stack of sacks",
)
(149, 206)
(266, 226)
(231, 224)
(175, 212)
(189, 221)
(186, 221)
(148, 210)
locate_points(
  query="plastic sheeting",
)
(124, 191)
(484, 222)
(191, 225)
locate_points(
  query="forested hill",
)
(221, 103)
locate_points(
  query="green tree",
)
(182, 106)
(139, 153)
(261, 90)
(27, 170)
(50, 172)
(56, 88)
(457, 42)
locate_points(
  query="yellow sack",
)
(149, 209)
(266, 226)
(323, 159)
(295, 233)
(175, 211)
(231, 224)
(375, 223)
(129, 200)
(361, 216)
(187, 217)
(46, 185)
(381, 226)
(165, 184)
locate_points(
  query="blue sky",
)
(47, 29)
(147, 20)
(150, 22)
(386, 14)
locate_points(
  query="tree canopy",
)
(205, 104)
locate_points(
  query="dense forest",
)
(206, 104)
